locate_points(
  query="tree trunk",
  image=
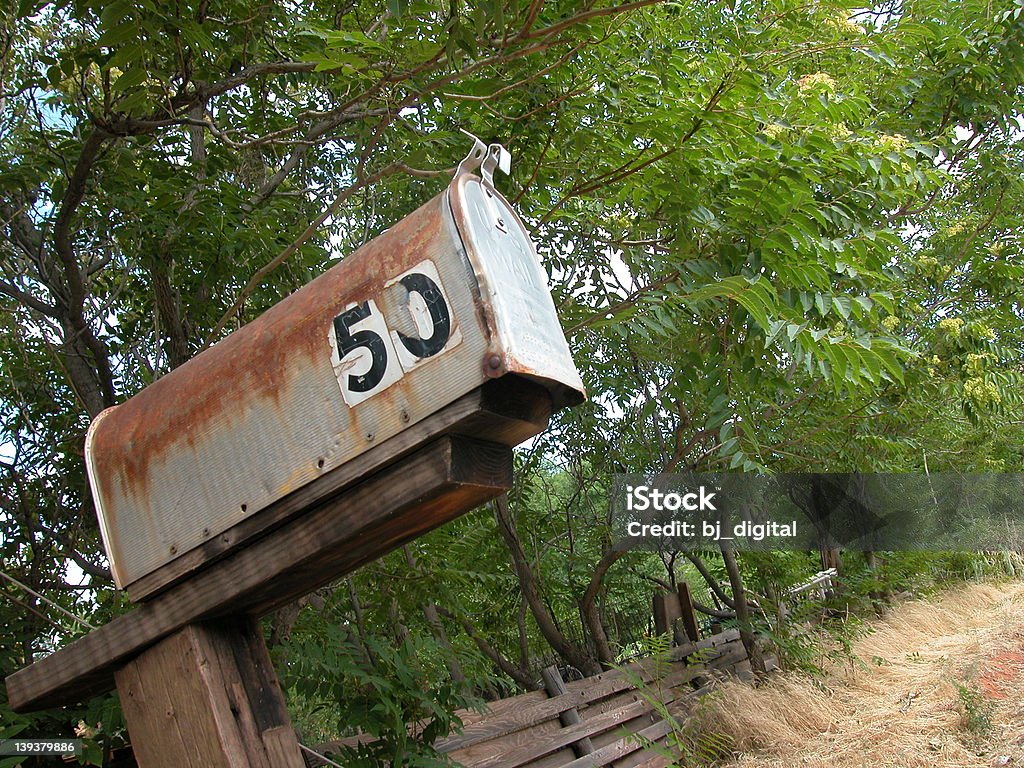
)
(588, 606)
(357, 611)
(570, 652)
(451, 661)
(831, 558)
(821, 508)
(880, 596)
(742, 607)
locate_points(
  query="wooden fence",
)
(597, 721)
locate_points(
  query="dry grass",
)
(926, 668)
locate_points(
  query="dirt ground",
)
(940, 683)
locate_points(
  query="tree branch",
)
(74, 281)
(283, 256)
(528, 584)
(27, 299)
(72, 552)
(594, 13)
(712, 582)
(521, 676)
(588, 605)
(624, 170)
(713, 611)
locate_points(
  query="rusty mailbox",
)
(449, 297)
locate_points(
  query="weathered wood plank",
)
(508, 410)
(655, 761)
(444, 479)
(620, 748)
(686, 610)
(666, 611)
(612, 703)
(602, 740)
(555, 759)
(514, 719)
(491, 744)
(145, 699)
(519, 718)
(729, 655)
(543, 745)
(494, 708)
(713, 641)
(207, 697)
(510, 743)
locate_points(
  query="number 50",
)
(368, 357)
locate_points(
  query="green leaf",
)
(843, 306)
(116, 12)
(129, 79)
(891, 363)
(126, 55)
(822, 302)
(115, 36)
(863, 302)
(873, 363)
(348, 39)
(728, 446)
(29, 7)
(884, 300)
(133, 101)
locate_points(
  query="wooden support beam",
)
(555, 686)
(208, 697)
(666, 611)
(687, 612)
(446, 478)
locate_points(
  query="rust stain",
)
(253, 367)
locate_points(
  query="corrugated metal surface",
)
(405, 325)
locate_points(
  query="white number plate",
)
(371, 350)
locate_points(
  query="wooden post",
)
(686, 611)
(207, 697)
(555, 686)
(666, 611)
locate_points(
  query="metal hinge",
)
(487, 159)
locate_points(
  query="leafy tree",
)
(781, 236)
